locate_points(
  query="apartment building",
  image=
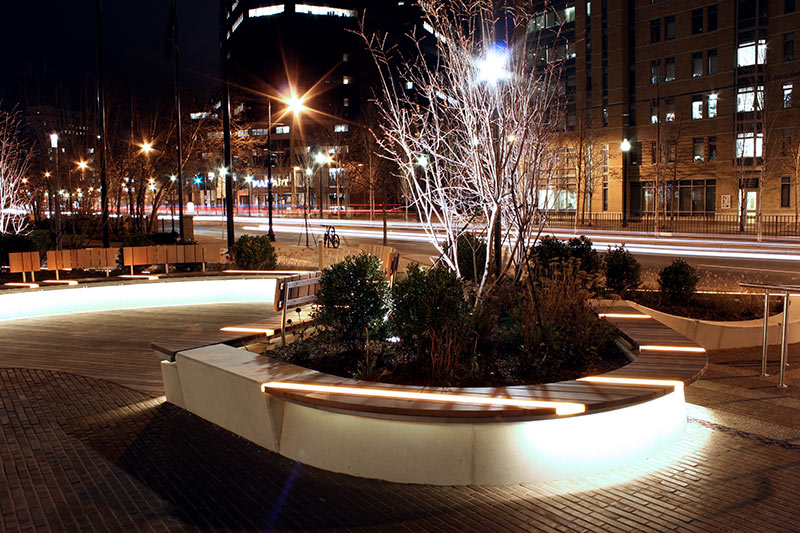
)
(703, 92)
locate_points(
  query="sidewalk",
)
(83, 453)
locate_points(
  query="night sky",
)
(49, 47)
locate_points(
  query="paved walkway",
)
(79, 450)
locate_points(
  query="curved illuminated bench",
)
(447, 436)
(115, 295)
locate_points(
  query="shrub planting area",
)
(535, 325)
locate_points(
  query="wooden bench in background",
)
(172, 254)
(22, 262)
(86, 258)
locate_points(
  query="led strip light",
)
(622, 315)
(659, 348)
(678, 385)
(561, 408)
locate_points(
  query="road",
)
(722, 261)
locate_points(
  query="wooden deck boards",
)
(113, 345)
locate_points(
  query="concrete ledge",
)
(133, 295)
(223, 385)
(718, 335)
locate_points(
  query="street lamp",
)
(53, 186)
(625, 146)
(270, 233)
(82, 166)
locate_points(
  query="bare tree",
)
(473, 141)
(15, 158)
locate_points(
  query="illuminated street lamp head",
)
(83, 165)
(223, 172)
(295, 104)
(625, 145)
(492, 66)
(47, 174)
(423, 161)
(54, 140)
(147, 147)
(24, 180)
(320, 158)
(173, 177)
(309, 172)
(248, 179)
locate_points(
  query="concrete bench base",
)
(222, 384)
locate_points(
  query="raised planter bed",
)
(365, 429)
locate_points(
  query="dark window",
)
(712, 148)
(788, 46)
(655, 30)
(697, 64)
(635, 154)
(786, 142)
(788, 6)
(669, 27)
(697, 149)
(786, 189)
(653, 152)
(697, 21)
(655, 67)
(672, 148)
(711, 23)
(669, 69)
(712, 62)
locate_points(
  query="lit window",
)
(669, 69)
(238, 22)
(746, 99)
(697, 107)
(749, 53)
(748, 144)
(697, 64)
(409, 85)
(697, 149)
(341, 128)
(669, 115)
(346, 80)
(653, 113)
(266, 11)
(281, 130)
(655, 68)
(345, 58)
(324, 10)
(787, 95)
(712, 105)
(346, 102)
(569, 14)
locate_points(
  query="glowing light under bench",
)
(561, 408)
(239, 329)
(22, 285)
(622, 315)
(61, 282)
(114, 295)
(659, 348)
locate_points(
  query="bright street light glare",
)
(320, 158)
(82, 165)
(147, 147)
(492, 67)
(295, 104)
(173, 177)
(423, 160)
(625, 145)
(223, 172)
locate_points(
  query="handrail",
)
(784, 326)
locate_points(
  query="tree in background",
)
(15, 158)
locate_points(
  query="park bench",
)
(83, 259)
(22, 262)
(172, 254)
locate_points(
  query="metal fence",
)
(771, 225)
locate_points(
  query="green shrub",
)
(623, 272)
(471, 257)
(15, 242)
(353, 300)
(678, 282)
(430, 314)
(253, 253)
(550, 254)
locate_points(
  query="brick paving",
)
(79, 453)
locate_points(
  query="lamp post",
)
(492, 70)
(270, 233)
(625, 146)
(82, 166)
(57, 188)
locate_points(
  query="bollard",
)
(784, 340)
(765, 340)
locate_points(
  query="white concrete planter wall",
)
(108, 296)
(222, 384)
(715, 335)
